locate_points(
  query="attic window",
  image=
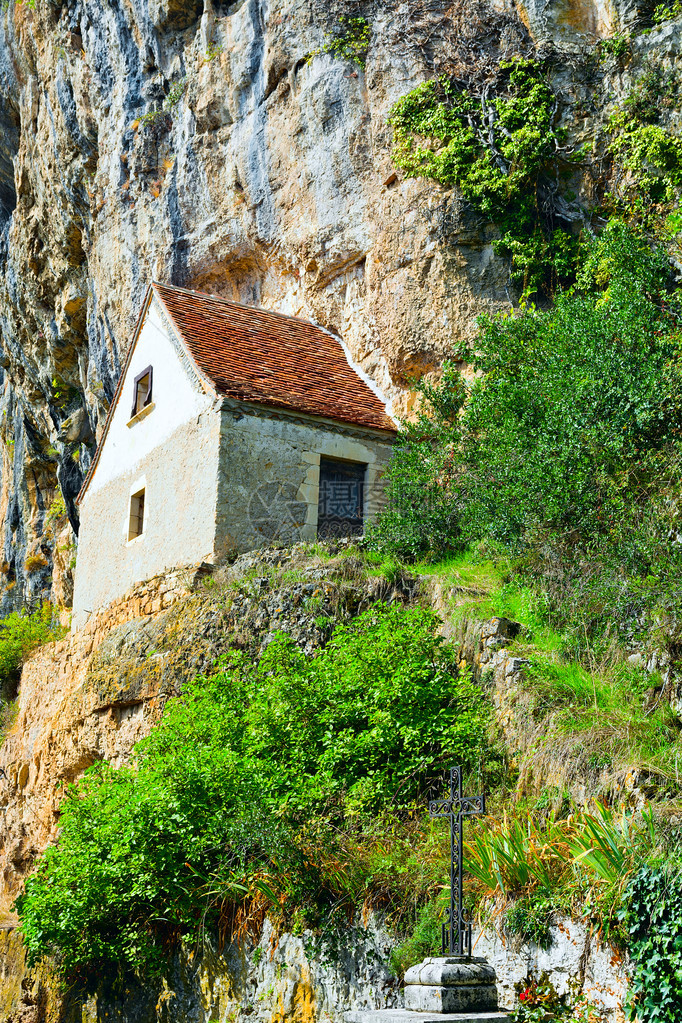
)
(136, 523)
(142, 393)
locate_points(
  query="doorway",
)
(341, 504)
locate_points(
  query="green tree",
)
(236, 770)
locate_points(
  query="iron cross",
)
(456, 929)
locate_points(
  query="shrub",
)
(20, 633)
(57, 509)
(663, 12)
(245, 787)
(363, 723)
(539, 1002)
(530, 918)
(350, 42)
(499, 151)
(571, 426)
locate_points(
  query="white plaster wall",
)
(177, 399)
(172, 452)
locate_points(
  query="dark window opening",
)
(142, 393)
(136, 523)
(342, 498)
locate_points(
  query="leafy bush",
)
(359, 721)
(498, 151)
(653, 917)
(571, 427)
(245, 789)
(350, 42)
(530, 918)
(20, 633)
(647, 154)
(539, 1002)
(664, 12)
(651, 152)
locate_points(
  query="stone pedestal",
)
(451, 984)
(404, 1016)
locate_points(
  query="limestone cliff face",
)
(200, 144)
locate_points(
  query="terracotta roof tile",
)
(256, 355)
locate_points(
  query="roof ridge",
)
(242, 305)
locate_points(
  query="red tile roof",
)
(256, 355)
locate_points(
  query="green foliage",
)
(213, 51)
(601, 718)
(530, 917)
(57, 509)
(665, 12)
(5, 4)
(424, 940)
(421, 516)
(656, 89)
(590, 715)
(606, 843)
(582, 863)
(245, 789)
(647, 150)
(571, 425)
(20, 633)
(652, 912)
(63, 393)
(539, 1002)
(616, 46)
(517, 854)
(499, 153)
(175, 94)
(372, 706)
(652, 153)
(350, 43)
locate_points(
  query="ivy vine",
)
(653, 916)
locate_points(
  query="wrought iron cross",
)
(456, 929)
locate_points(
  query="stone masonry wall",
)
(576, 963)
(270, 475)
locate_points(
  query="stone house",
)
(231, 428)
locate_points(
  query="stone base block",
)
(405, 1016)
(451, 985)
(463, 998)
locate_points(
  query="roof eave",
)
(234, 404)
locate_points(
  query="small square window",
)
(142, 394)
(136, 523)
